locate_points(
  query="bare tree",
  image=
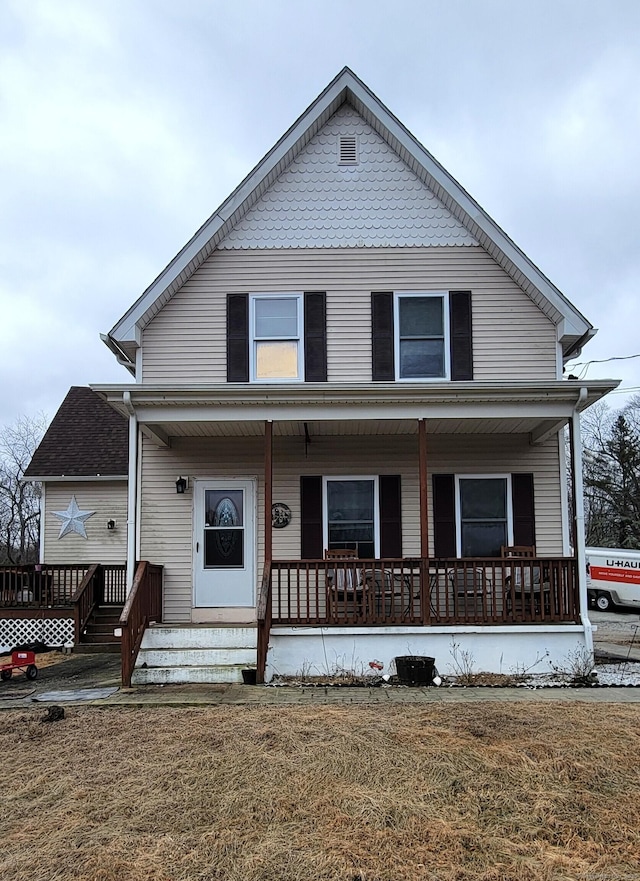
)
(612, 475)
(19, 501)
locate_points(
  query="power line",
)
(604, 360)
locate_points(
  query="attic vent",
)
(348, 150)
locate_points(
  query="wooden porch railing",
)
(418, 591)
(39, 585)
(264, 612)
(143, 607)
(86, 598)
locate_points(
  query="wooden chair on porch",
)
(523, 582)
(472, 591)
(343, 583)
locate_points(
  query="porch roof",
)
(537, 409)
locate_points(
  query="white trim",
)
(564, 495)
(397, 296)
(132, 496)
(376, 507)
(276, 295)
(579, 550)
(138, 547)
(458, 478)
(138, 373)
(80, 478)
(43, 508)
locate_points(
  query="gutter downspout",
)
(131, 490)
(578, 493)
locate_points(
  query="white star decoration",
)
(73, 519)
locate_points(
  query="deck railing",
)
(417, 591)
(263, 614)
(86, 598)
(143, 607)
(42, 586)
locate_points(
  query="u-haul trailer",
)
(613, 578)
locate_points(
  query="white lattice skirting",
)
(53, 632)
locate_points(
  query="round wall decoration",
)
(280, 515)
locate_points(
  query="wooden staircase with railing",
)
(99, 632)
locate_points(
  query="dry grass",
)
(376, 793)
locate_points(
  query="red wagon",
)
(20, 660)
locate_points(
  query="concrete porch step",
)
(195, 653)
(165, 636)
(205, 674)
(212, 657)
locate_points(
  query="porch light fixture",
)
(111, 524)
(182, 484)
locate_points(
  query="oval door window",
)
(224, 533)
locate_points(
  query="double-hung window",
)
(277, 334)
(484, 515)
(351, 521)
(421, 336)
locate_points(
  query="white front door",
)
(224, 543)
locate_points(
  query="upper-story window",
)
(422, 334)
(276, 346)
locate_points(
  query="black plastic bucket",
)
(415, 669)
(249, 677)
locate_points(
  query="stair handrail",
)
(263, 613)
(86, 598)
(142, 607)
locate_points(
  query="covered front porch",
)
(419, 450)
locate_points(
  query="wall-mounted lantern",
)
(111, 524)
(182, 485)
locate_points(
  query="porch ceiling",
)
(342, 428)
(240, 410)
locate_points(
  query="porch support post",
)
(268, 490)
(132, 494)
(425, 603)
(578, 518)
(424, 515)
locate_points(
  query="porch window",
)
(421, 329)
(276, 346)
(351, 506)
(484, 518)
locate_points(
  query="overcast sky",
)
(125, 123)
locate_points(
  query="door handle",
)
(197, 546)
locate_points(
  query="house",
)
(82, 466)
(346, 400)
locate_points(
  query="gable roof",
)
(573, 328)
(86, 438)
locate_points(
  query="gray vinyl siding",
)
(102, 545)
(512, 339)
(167, 518)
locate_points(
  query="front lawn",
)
(361, 793)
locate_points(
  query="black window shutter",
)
(461, 335)
(315, 337)
(390, 516)
(311, 518)
(237, 338)
(383, 369)
(444, 515)
(524, 528)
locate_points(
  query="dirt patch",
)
(387, 793)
